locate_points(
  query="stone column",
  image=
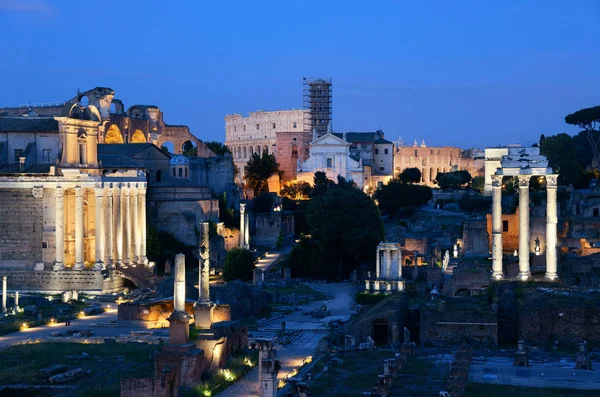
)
(99, 228)
(126, 208)
(203, 310)
(59, 259)
(497, 272)
(247, 231)
(109, 258)
(179, 288)
(243, 225)
(524, 272)
(388, 262)
(135, 222)
(79, 228)
(179, 330)
(118, 226)
(4, 278)
(16, 298)
(551, 221)
(377, 262)
(142, 218)
(399, 252)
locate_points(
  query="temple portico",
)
(388, 269)
(524, 163)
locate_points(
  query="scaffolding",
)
(317, 105)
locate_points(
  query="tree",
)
(296, 190)
(588, 119)
(453, 180)
(227, 215)
(561, 152)
(306, 259)
(218, 148)
(258, 171)
(347, 225)
(239, 265)
(410, 175)
(189, 149)
(396, 196)
(478, 184)
(263, 203)
(320, 184)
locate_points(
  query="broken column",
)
(521, 357)
(4, 278)
(244, 227)
(179, 330)
(203, 310)
(268, 368)
(16, 298)
(583, 360)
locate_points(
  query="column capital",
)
(109, 191)
(37, 192)
(552, 181)
(125, 191)
(78, 191)
(99, 191)
(497, 180)
(59, 192)
(242, 207)
(142, 191)
(133, 191)
(524, 181)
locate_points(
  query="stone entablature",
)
(388, 270)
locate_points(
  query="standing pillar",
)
(497, 272)
(109, 258)
(247, 231)
(142, 219)
(16, 298)
(388, 262)
(126, 209)
(135, 222)
(524, 272)
(551, 221)
(377, 263)
(78, 228)
(59, 259)
(100, 235)
(203, 310)
(118, 226)
(243, 225)
(4, 278)
(179, 330)
(179, 288)
(399, 263)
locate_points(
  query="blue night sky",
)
(463, 73)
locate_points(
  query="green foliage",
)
(320, 184)
(347, 224)
(589, 120)
(169, 246)
(296, 190)
(258, 171)
(561, 152)
(474, 203)
(362, 298)
(478, 184)
(410, 175)
(152, 244)
(189, 149)
(218, 148)
(307, 260)
(396, 196)
(263, 203)
(453, 180)
(239, 265)
(279, 243)
(227, 215)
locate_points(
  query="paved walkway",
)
(269, 260)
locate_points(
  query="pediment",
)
(329, 139)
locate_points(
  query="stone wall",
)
(475, 237)
(153, 312)
(231, 237)
(291, 147)
(62, 280)
(270, 225)
(510, 238)
(21, 227)
(165, 385)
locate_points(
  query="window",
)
(274, 126)
(379, 185)
(329, 163)
(158, 175)
(180, 172)
(376, 151)
(244, 127)
(505, 226)
(18, 153)
(257, 126)
(82, 153)
(186, 172)
(596, 213)
(47, 155)
(416, 153)
(431, 151)
(234, 128)
(386, 151)
(173, 171)
(294, 125)
(363, 146)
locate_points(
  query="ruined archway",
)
(463, 292)
(138, 137)
(113, 135)
(381, 331)
(189, 148)
(168, 147)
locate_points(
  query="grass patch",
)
(236, 368)
(485, 390)
(108, 363)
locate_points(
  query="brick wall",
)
(21, 227)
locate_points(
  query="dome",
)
(179, 160)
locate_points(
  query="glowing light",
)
(24, 326)
(248, 362)
(228, 375)
(81, 315)
(52, 321)
(206, 393)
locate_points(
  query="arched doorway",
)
(113, 135)
(381, 331)
(138, 137)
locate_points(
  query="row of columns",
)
(120, 220)
(391, 255)
(524, 251)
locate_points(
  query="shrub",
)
(239, 264)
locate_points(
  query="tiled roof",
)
(170, 181)
(118, 161)
(382, 141)
(24, 124)
(125, 149)
(352, 137)
(13, 168)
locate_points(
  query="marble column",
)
(59, 259)
(100, 235)
(179, 288)
(109, 257)
(399, 264)
(118, 228)
(204, 271)
(4, 278)
(524, 272)
(16, 298)
(497, 272)
(79, 228)
(377, 262)
(247, 231)
(179, 329)
(142, 217)
(125, 207)
(135, 222)
(388, 262)
(551, 221)
(243, 225)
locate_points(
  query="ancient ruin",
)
(388, 270)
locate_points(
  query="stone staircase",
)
(140, 276)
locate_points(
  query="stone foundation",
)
(56, 281)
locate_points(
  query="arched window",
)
(505, 226)
(180, 172)
(158, 175)
(186, 172)
(174, 172)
